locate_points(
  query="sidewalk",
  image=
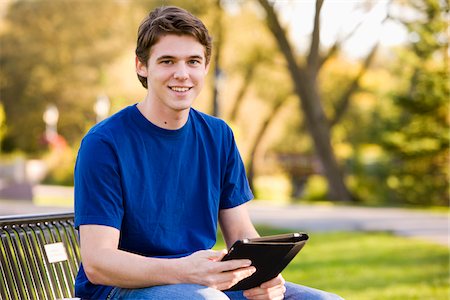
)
(433, 227)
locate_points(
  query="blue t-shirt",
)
(161, 188)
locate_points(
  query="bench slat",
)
(37, 259)
(10, 292)
(25, 270)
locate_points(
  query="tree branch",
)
(248, 76)
(280, 36)
(340, 41)
(344, 101)
(337, 45)
(259, 136)
(313, 57)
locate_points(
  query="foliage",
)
(61, 53)
(60, 163)
(315, 188)
(2, 124)
(392, 142)
(416, 139)
(368, 266)
(303, 73)
(55, 52)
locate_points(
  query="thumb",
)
(217, 255)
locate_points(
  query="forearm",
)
(128, 270)
(235, 224)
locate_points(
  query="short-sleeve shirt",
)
(162, 189)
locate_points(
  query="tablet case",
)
(270, 255)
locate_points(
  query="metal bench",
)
(39, 256)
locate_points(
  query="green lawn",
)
(370, 266)
(360, 265)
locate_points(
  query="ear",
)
(207, 68)
(141, 68)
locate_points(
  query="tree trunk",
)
(319, 129)
(242, 91)
(307, 90)
(218, 29)
(254, 148)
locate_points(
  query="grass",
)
(368, 266)
(360, 265)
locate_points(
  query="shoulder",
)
(216, 124)
(215, 131)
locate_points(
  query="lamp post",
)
(51, 116)
(101, 107)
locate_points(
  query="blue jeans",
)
(199, 292)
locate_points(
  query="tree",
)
(306, 86)
(55, 52)
(417, 141)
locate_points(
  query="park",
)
(340, 112)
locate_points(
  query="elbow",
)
(93, 274)
(94, 267)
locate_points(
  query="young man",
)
(153, 181)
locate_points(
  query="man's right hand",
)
(206, 268)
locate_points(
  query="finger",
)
(279, 280)
(273, 292)
(228, 279)
(240, 274)
(234, 264)
(265, 297)
(218, 255)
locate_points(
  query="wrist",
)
(162, 271)
(175, 271)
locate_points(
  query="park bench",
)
(39, 256)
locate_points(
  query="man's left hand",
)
(273, 289)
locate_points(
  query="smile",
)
(179, 89)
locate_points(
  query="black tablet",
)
(269, 254)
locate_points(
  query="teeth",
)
(180, 89)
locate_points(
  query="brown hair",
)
(169, 20)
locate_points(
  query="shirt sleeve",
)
(98, 192)
(235, 187)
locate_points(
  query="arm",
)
(235, 224)
(105, 264)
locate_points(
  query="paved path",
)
(430, 226)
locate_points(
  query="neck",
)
(163, 117)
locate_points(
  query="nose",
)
(181, 72)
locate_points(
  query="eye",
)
(194, 62)
(166, 62)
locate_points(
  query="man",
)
(153, 181)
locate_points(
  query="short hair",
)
(169, 20)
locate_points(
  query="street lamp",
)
(51, 116)
(101, 107)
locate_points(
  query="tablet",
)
(269, 254)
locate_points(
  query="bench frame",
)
(28, 268)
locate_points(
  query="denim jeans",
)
(199, 292)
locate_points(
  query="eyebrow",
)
(163, 57)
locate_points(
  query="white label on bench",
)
(55, 252)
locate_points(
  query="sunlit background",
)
(346, 106)
(376, 77)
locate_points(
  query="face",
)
(175, 72)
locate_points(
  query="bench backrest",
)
(39, 256)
